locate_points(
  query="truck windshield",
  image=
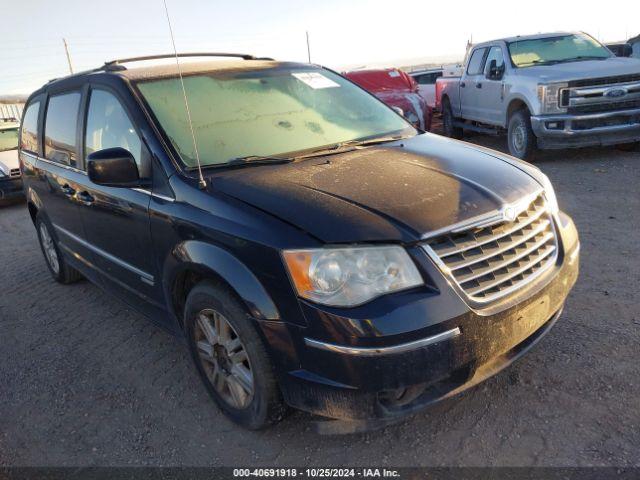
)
(8, 139)
(266, 112)
(552, 50)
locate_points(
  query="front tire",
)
(231, 358)
(60, 270)
(520, 137)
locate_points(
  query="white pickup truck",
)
(10, 178)
(556, 90)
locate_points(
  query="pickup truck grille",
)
(602, 95)
(606, 107)
(605, 80)
(14, 172)
(489, 262)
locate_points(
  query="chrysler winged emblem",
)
(509, 214)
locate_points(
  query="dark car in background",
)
(397, 89)
(312, 247)
(620, 49)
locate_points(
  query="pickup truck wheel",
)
(520, 136)
(61, 271)
(231, 358)
(450, 130)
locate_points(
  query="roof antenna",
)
(201, 182)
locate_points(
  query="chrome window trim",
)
(73, 169)
(144, 276)
(376, 351)
(61, 165)
(156, 195)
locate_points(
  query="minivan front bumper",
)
(607, 128)
(373, 373)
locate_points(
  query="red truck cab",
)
(397, 89)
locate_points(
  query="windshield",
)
(8, 139)
(266, 112)
(551, 50)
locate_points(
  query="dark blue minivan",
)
(314, 249)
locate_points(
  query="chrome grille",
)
(491, 261)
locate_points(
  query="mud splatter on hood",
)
(382, 193)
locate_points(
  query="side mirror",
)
(398, 110)
(495, 72)
(113, 167)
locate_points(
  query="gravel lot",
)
(86, 381)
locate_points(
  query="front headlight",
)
(549, 96)
(550, 194)
(346, 277)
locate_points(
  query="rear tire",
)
(520, 137)
(231, 358)
(60, 270)
(448, 119)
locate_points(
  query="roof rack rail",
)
(118, 62)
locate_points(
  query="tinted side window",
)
(29, 132)
(60, 128)
(475, 63)
(108, 126)
(495, 53)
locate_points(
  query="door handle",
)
(462, 84)
(479, 85)
(67, 190)
(85, 197)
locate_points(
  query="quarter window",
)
(108, 126)
(475, 63)
(29, 132)
(60, 129)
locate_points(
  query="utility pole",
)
(308, 47)
(66, 49)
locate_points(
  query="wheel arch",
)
(194, 261)
(443, 100)
(33, 211)
(516, 104)
(34, 204)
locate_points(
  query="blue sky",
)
(343, 33)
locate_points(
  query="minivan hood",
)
(381, 193)
(567, 72)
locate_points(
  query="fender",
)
(207, 258)
(516, 97)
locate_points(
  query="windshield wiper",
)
(350, 145)
(584, 57)
(252, 160)
(564, 60)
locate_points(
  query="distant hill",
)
(13, 98)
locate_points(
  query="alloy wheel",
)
(49, 248)
(224, 358)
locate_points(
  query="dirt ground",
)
(86, 381)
